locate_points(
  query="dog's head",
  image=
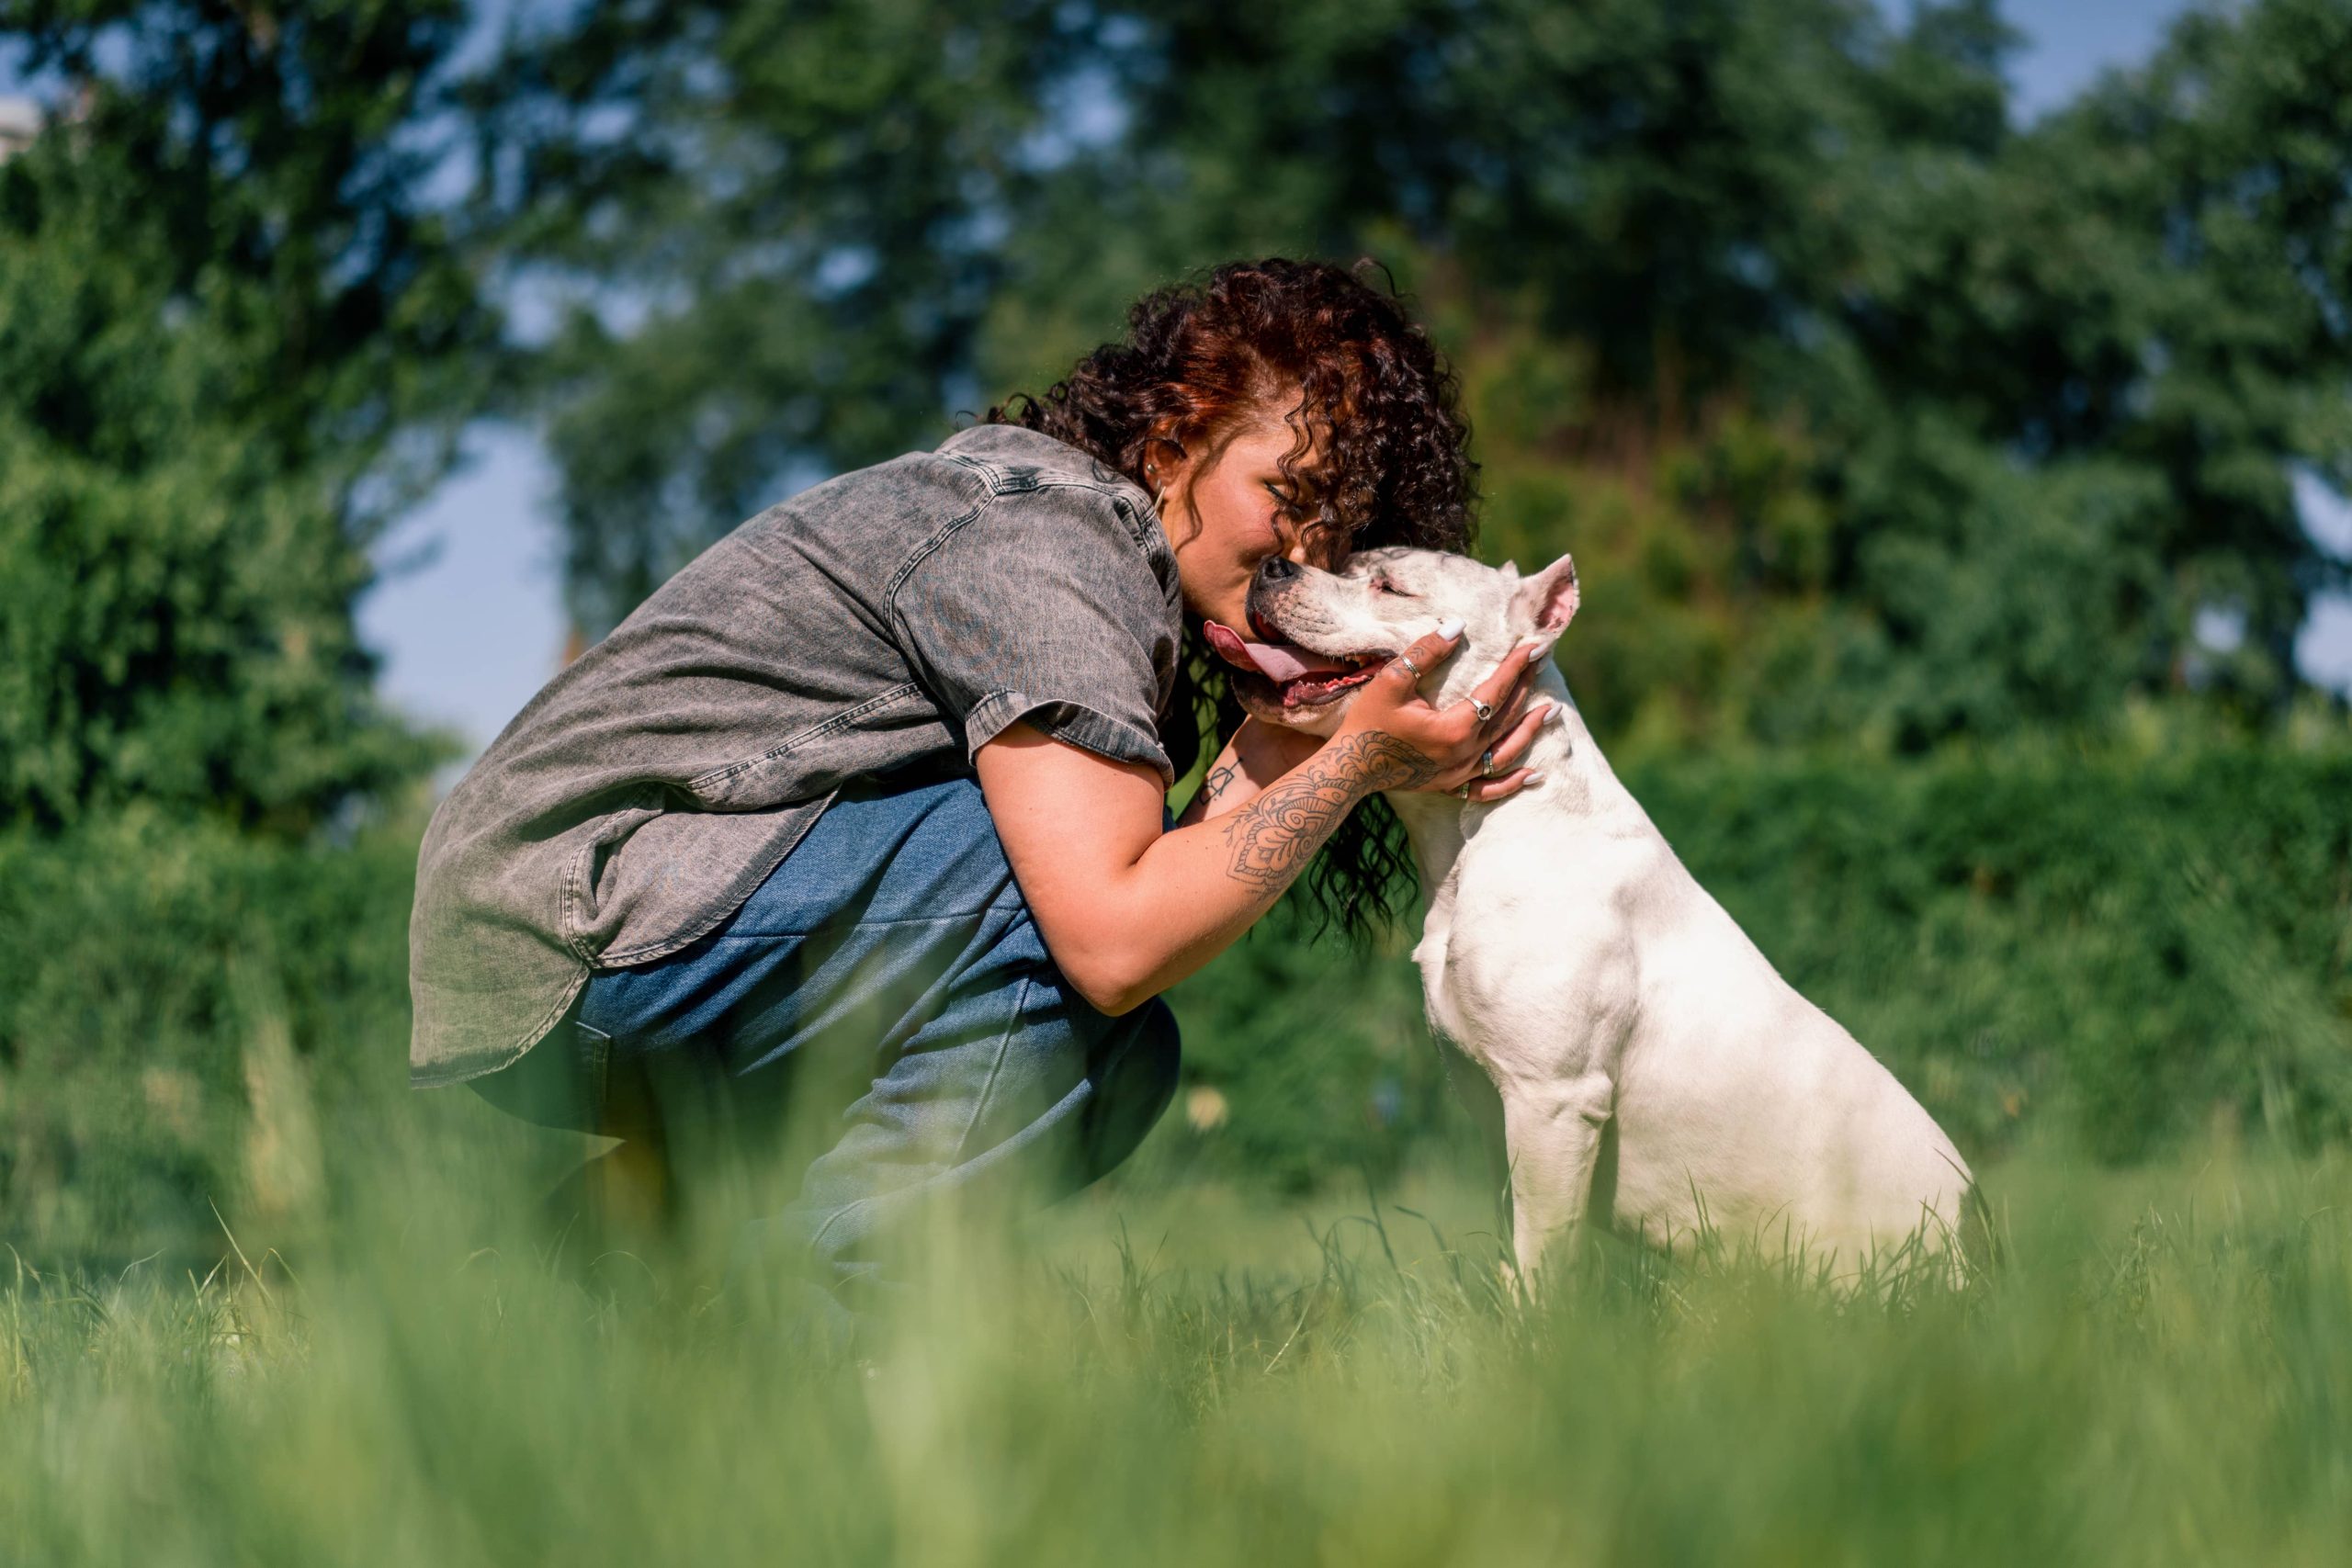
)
(1326, 633)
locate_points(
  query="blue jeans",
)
(886, 987)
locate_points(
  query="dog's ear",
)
(1509, 569)
(1545, 602)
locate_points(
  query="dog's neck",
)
(1578, 785)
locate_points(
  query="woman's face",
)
(1225, 515)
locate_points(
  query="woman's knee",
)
(556, 1083)
(1133, 1080)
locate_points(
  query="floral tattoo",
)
(1276, 835)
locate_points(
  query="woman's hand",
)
(1445, 745)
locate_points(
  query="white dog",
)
(1569, 953)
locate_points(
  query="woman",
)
(862, 816)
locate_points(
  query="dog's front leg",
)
(1553, 1133)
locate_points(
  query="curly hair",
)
(1376, 406)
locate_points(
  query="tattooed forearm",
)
(1219, 781)
(1274, 836)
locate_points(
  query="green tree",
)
(2068, 379)
(234, 344)
(1889, 420)
(796, 210)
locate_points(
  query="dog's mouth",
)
(1292, 676)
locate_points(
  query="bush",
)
(2119, 951)
(2133, 948)
(189, 1016)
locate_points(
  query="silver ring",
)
(1484, 709)
(1407, 661)
(1487, 763)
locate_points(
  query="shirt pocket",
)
(882, 732)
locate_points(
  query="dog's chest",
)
(1431, 953)
(1454, 963)
(1521, 961)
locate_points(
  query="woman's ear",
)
(1545, 602)
(1164, 457)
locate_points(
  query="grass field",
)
(2159, 1371)
(2123, 984)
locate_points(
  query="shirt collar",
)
(1018, 444)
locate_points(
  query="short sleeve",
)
(1046, 606)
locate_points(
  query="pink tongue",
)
(1276, 661)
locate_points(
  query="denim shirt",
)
(894, 618)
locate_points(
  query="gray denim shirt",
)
(896, 617)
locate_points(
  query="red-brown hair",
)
(1369, 396)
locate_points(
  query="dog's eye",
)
(1382, 585)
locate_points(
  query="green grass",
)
(2160, 1371)
(1230, 1352)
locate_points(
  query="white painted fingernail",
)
(1534, 779)
(1535, 654)
(1554, 713)
(1450, 627)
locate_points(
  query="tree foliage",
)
(1892, 418)
(233, 344)
(777, 228)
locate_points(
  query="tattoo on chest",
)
(1274, 836)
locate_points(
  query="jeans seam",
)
(600, 1070)
(862, 923)
(996, 1069)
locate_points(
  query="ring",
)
(1464, 791)
(1487, 763)
(1484, 709)
(1407, 661)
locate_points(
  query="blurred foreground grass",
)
(2159, 1372)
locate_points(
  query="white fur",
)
(1569, 953)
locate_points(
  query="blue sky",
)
(470, 633)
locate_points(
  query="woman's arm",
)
(1257, 755)
(1128, 910)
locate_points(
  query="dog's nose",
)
(1277, 568)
